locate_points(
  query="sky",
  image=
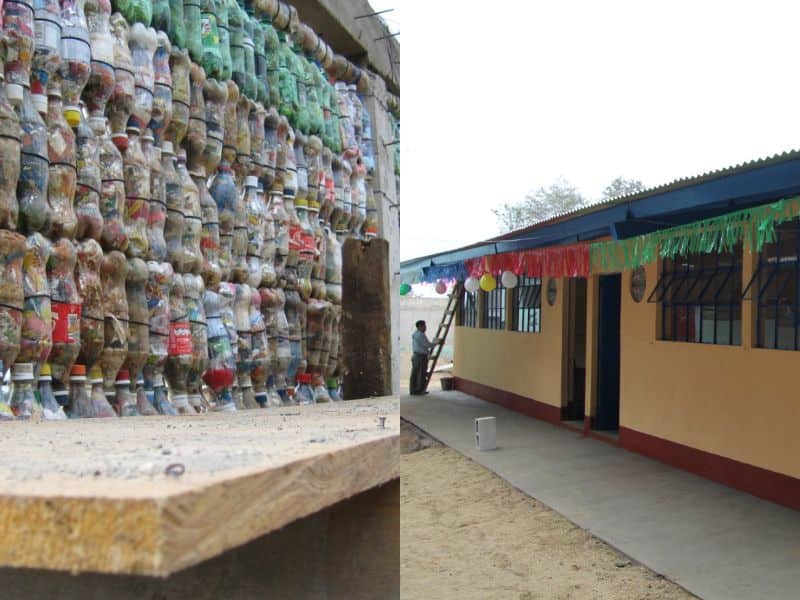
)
(499, 98)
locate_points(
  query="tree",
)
(560, 197)
(622, 187)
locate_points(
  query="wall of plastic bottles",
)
(177, 178)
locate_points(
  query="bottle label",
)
(180, 339)
(66, 323)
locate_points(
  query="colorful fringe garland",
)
(753, 227)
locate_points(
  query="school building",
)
(666, 322)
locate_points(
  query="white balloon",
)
(509, 279)
(472, 285)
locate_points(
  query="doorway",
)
(576, 352)
(608, 353)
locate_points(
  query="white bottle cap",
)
(22, 372)
(166, 147)
(39, 103)
(251, 181)
(14, 93)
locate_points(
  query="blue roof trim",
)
(754, 183)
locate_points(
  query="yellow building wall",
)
(738, 402)
(526, 364)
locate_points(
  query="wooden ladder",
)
(444, 329)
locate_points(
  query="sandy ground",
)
(465, 533)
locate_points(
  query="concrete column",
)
(592, 312)
(387, 197)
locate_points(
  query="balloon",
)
(509, 280)
(488, 282)
(404, 289)
(441, 287)
(471, 285)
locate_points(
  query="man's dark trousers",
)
(419, 364)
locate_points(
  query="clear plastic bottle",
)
(113, 272)
(87, 190)
(80, 400)
(224, 38)
(221, 365)
(10, 142)
(18, 31)
(157, 213)
(142, 42)
(138, 317)
(256, 209)
(143, 404)
(120, 104)
(196, 133)
(210, 241)
(124, 403)
(100, 404)
(47, 51)
(62, 174)
(192, 261)
(65, 306)
(157, 291)
(175, 222)
(181, 96)
(102, 78)
(179, 359)
(162, 89)
(112, 188)
(76, 58)
(216, 96)
(303, 394)
(36, 332)
(24, 403)
(193, 299)
(137, 195)
(51, 409)
(34, 211)
(161, 400)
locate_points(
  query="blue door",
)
(607, 417)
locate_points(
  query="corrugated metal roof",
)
(676, 184)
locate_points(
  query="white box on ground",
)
(486, 433)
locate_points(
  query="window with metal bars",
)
(526, 309)
(774, 288)
(701, 298)
(468, 313)
(494, 308)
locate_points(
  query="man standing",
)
(419, 361)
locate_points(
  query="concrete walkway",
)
(716, 542)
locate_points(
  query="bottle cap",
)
(22, 372)
(46, 370)
(14, 93)
(39, 102)
(79, 370)
(251, 181)
(73, 115)
(123, 377)
(120, 141)
(166, 147)
(95, 375)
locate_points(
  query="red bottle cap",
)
(78, 370)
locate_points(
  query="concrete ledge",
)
(93, 495)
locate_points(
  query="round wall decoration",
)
(638, 284)
(552, 291)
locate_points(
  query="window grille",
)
(774, 289)
(527, 305)
(700, 296)
(494, 308)
(469, 309)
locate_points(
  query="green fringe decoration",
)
(753, 227)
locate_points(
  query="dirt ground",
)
(465, 533)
